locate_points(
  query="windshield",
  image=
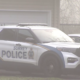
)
(51, 35)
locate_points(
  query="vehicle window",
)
(76, 39)
(23, 34)
(8, 34)
(73, 38)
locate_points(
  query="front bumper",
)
(70, 65)
(71, 68)
(72, 71)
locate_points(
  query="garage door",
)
(14, 17)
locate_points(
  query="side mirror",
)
(30, 40)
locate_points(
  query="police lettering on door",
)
(17, 52)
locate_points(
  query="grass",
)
(26, 78)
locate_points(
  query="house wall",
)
(51, 5)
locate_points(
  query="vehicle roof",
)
(27, 27)
(74, 35)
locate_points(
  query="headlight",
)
(63, 49)
(71, 60)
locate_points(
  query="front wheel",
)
(51, 67)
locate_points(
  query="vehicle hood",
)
(70, 47)
(62, 44)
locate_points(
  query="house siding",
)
(51, 5)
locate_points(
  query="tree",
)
(70, 12)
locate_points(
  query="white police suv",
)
(27, 48)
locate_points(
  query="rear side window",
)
(8, 34)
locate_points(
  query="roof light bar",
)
(32, 24)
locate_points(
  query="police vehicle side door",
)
(28, 50)
(8, 38)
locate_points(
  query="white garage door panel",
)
(13, 17)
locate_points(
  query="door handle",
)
(18, 44)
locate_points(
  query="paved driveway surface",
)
(70, 77)
(63, 77)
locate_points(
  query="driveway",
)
(63, 77)
(70, 77)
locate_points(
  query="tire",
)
(51, 67)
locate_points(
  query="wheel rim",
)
(50, 68)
